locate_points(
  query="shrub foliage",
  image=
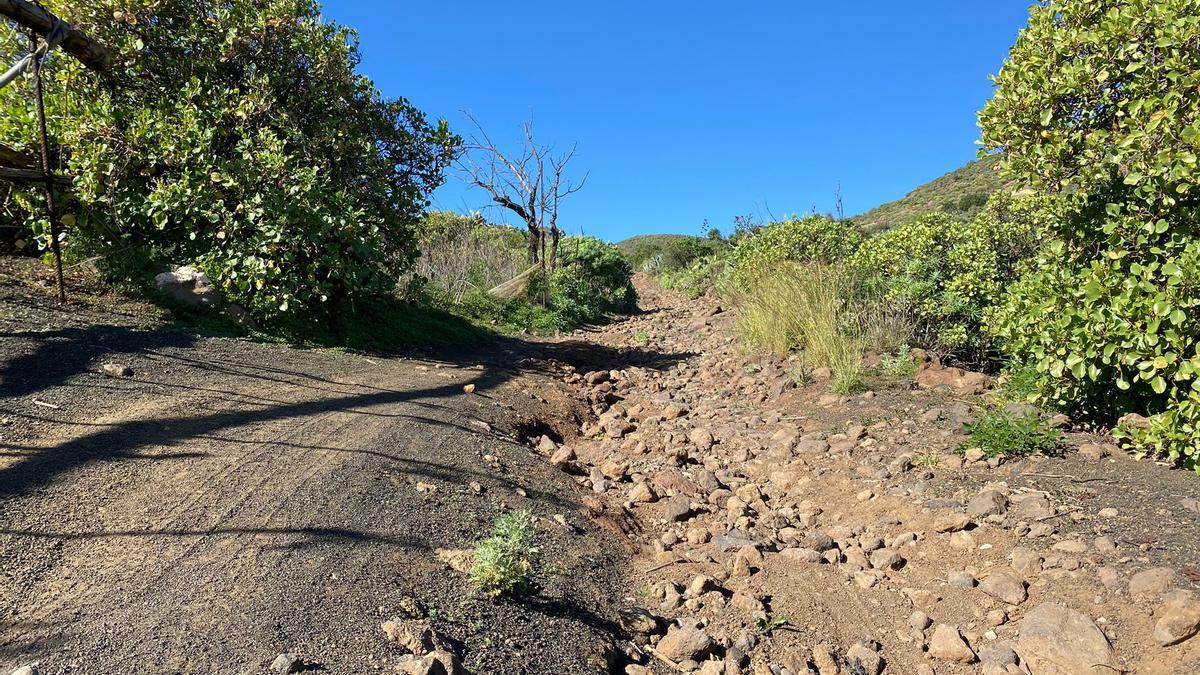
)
(238, 136)
(814, 238)
(1099, 106)
(949, 273)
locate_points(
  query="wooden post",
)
(48, 175)
(33, 17)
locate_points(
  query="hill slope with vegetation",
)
(962, 193)
(671, 249)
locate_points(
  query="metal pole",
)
(49, 177)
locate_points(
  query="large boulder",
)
(1056, 640)
(934, 375)
(685, 642)
(188, 286)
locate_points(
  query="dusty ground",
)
(873, 474)
(231, 501)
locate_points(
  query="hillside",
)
(961, 192)
(640, 248)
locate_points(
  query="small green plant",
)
(930, 459)
(642, 337)
(900, 365)
(767, 625)
(504, 561)
(1001, 433)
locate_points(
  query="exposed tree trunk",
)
(555, 235)
(524, 185)
(89, 52)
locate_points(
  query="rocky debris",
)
(998, 659)
(1150, 584)
(414, 635)
(947, 644)
(685, 642)
(1006, 585)
(1178, 619)
(1031, 507)
(26, 670)
(116, 370)
(434, 663)
(469, 388)
(638, 622)
(1097, 451)
(287, 663)
(546, 445)
(987, 503)
(933, 375)
(188, 286)
(814, 485)
(677, 508)
(564, 458)
(951, 522)
(1056, 639)
(864, 657)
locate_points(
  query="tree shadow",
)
(65, 352)
(68, 352)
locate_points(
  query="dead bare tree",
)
(530, 183)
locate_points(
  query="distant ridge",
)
(962, 192)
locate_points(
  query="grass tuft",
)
(806, 307)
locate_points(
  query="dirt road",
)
(231, 501)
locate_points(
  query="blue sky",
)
(692, 111)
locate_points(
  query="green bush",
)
(949, 273)
(703, 275)
(657, 253)
(504, 561)
(813, 238)
(1000, 433)
(236, 136)
(591, 280)
(1099, 106)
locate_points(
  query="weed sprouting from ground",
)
(642, 337)
(504, 561)
(768, 625)
(901, 365)
(1000, 433)
(931, 459)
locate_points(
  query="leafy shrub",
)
(949, 273)
(655, 253)
(236, 136)
(810, 239)
(1002, 433)
(703, 275)
(1099, 106)
(504, 561)
(806, 307)
(1019, 383)
(592, 279)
